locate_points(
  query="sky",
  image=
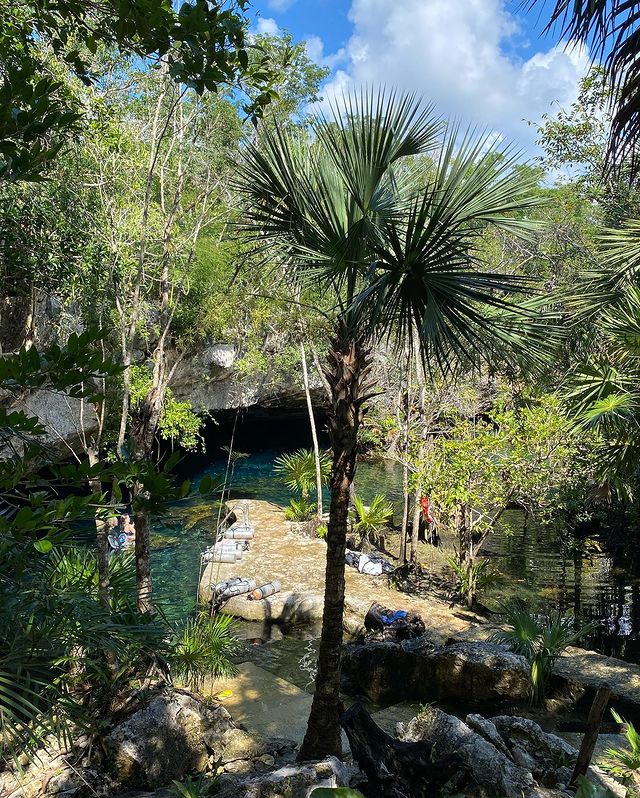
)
(487, 63)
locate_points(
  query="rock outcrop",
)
(171, 736)
(504, 756)
(291, 781)
(418, 670)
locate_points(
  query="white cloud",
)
(268, 26)
(315, 50)
(280, 5)
(451, 51)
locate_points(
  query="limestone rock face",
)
(489, 770)
(504, 756)
(417, 670)
(171, 736)
(291, 781)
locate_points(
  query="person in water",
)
(128, 527)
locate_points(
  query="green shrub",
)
(204, 648)
(299, 510)
(541, 639)
(624, 762)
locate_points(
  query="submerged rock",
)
(417, 670)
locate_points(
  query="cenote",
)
(586, 578)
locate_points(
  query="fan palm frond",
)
(611, 30)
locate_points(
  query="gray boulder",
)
(417, 670)
(291, 781)
(489, 770)
(171, 736)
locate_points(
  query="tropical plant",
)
(204, 648)
(382, 207)
(539, 638)
(604, 388)
(587, 789)
(368, 522)
(609, 29)
(473, 576)
(299, 510)
(199, 786)
(298, 470)
(203, 46)
(624, 762)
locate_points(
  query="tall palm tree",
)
(383, 205)
(610, 28)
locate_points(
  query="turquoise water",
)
(538, 563)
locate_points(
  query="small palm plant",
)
(473, 576)
(298, 471)
(204, 648)
(539, 638)
(368, 522)
(625, 762)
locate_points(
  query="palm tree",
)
(610, 29)
(382, 206)
(604, 386)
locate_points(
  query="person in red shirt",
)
(427, 523)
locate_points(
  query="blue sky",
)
(485, 62)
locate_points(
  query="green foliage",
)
(199, 786)
(474, 576)
(322, 531)
(368, 522)
(523, 452)
(299, 510)
(178, 422)
(204, 648)
(587, 789)
(335, 792)
(203, 46)
(298, 470)
(624, 762)
(541, 639)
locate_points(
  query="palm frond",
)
(611, 29)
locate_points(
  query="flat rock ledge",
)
(418, 670)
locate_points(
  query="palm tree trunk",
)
(314, 434)
(349, 365)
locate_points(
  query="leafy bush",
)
(368, 522)
(298, 470)
(299, 510)
(199, 786)
(624, 762)
(204, 648)
(586, 789)
(541, 639)
(473, 576)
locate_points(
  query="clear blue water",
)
(538, 563)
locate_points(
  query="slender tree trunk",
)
(144, 587)
(102, 542)
(314, 434)
(404, 413)
(347, 372)
(417, 509)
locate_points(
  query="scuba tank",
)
(233, 587)
(266, 590)
(238, 533)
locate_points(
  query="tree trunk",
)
(395, 769)
(102, 542)
(347, 372)
(143, 562)
(314, 434)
